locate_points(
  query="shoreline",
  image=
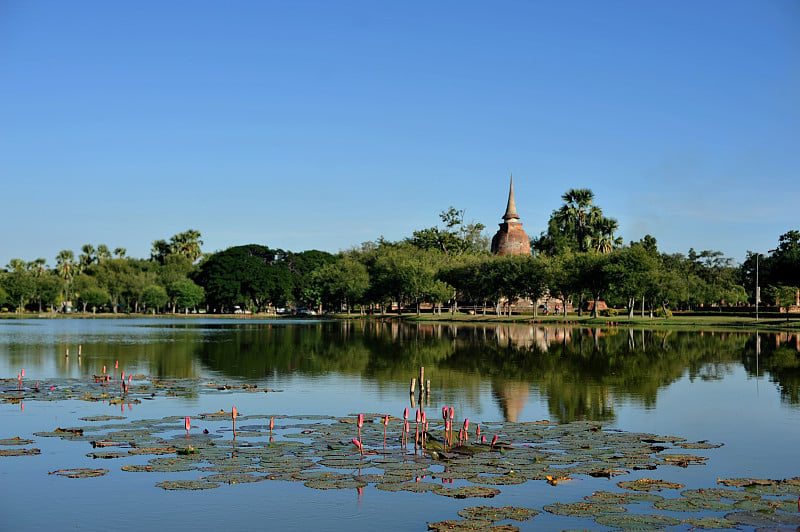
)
(679, 321)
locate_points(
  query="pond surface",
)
(737, 390)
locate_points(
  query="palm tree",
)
(103, 252)
(65, 266)
(120, 252)
(604, 241)
(87, 258)
(187, 244)
(578, 215)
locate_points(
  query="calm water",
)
(742, 390)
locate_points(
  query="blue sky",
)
(320, 125)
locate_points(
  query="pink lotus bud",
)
(357, 443)
(452, 413)
(104, 370)
(424, 417)
(494, 440)
(444, 412)
(360, 420)
(386, 420)
(271, 423)
(22, 373)
(234, 413)
(130, 379)
(466, 425)
(122, 377)
(419, 416)
(405, 413)
(116, 364)
(187, 423)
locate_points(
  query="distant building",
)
(511, 239)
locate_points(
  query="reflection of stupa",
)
(511, 239)
(511, 397)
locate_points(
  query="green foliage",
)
(343, 282)
(456, 238)
(609, 312)
(186, 244)
(154, 297)
(186, 294)
(94, 297)
(249, 276)
(663, 312)
(578, 226)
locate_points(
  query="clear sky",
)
(323, 124)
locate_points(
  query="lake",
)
(731, 398)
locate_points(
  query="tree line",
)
(578, 258)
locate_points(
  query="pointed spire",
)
(511, 208)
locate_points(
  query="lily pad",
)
(625, 497)
(187, 485)
(493, 513)
(15, 441)
(80, 472)
(466, 492)
(710, 522)
(584, 509)
(637, 521)
(649, 484)
(20, 452)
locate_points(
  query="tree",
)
(185, 294)
(579, 226)
(343, 282)
(154, 297)
(250, 275)
(65, 266)
(94, 297)
(186, 244)
(631, 269)
(301, 266)
(456, 238)
(19, 284)
(114, 276)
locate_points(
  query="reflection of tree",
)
(581, 372)
(778, 355)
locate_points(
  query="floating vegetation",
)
(187, 485)
(15, 441)
(101, 418)
(698, 445)
(469, 525)
(637, 521)
(682, 460)
(584, 509)
(234, 478)
(625, 497)
(695, 504)
(493, 513)
(649, 484)
(758, 519)
(710, 522)
(108, 454)
(318, 452)
(80, 472)
(465, 492)
(20, 452)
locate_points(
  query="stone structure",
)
(511, 239)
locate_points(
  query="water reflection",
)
(581, 373)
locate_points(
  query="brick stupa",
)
(511, 239)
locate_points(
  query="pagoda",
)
(511, 239)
